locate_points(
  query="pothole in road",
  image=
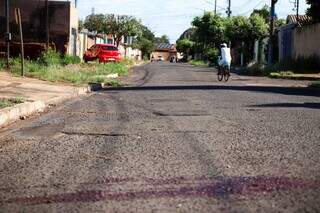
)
(45, 130)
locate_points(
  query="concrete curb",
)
(12, 114)
(9, 115)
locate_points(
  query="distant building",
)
(164, 52)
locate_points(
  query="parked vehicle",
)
(103, 52)
(160, 58)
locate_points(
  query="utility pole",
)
(8, 34)
(297, 5)
(215, 7)
(76, 3)
(271, 33)
(47, 24)
(229, 12)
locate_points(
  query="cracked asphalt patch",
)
(162, 148)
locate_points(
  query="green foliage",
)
(95, 22)
(74, 73)
(50, 58)
(69, 59)
(264, 12)
(184, 46)
(198, 63)
(2, 63)
(117, 25)
(145, 42)
(212, 54)
(81, 25)
(282, 74)
(280, 22)
(209, 29)
(113, 83)
(314, 10)
(162, 39)
(10, 102)
(315, 84)
(121, 25)
(240, 28)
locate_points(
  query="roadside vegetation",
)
(208, 31)
(10, 102)
(51, 66)
(199, 63)
(315, 84)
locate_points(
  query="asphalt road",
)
(178, 142)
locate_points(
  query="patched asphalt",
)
(175, 140)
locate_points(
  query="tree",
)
(81, 25)
(120, 26)
(209, 29)
(264, 12)
(95, 23)
(184, 46)
(162, 39)
(145, 42)
(314, 10)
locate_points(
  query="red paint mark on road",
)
(176, 187)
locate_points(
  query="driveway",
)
(176, 140)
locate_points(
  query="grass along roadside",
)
(294, 76)
(53, 67)
(315, 84)
(10, 102)
(199, 63)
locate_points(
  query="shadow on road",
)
(289, 105)
(278, 90)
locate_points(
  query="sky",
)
(173, 17)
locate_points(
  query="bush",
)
(212, 55)
(2, 63)
(69, 59)
(50, 58)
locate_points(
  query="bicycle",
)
(223, 73)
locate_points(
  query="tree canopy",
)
(314, 10)
(117, 25)
(162, 39)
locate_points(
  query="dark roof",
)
(164, 46)
(293, 19)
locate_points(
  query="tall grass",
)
(51, 66)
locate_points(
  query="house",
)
(62, 25)
(299, 40)
(164, 51)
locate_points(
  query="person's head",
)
(224, 45)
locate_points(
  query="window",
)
(110, 48)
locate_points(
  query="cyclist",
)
(225, 58)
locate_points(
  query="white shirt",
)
(226, 55)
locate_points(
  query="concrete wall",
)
(306, 41)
